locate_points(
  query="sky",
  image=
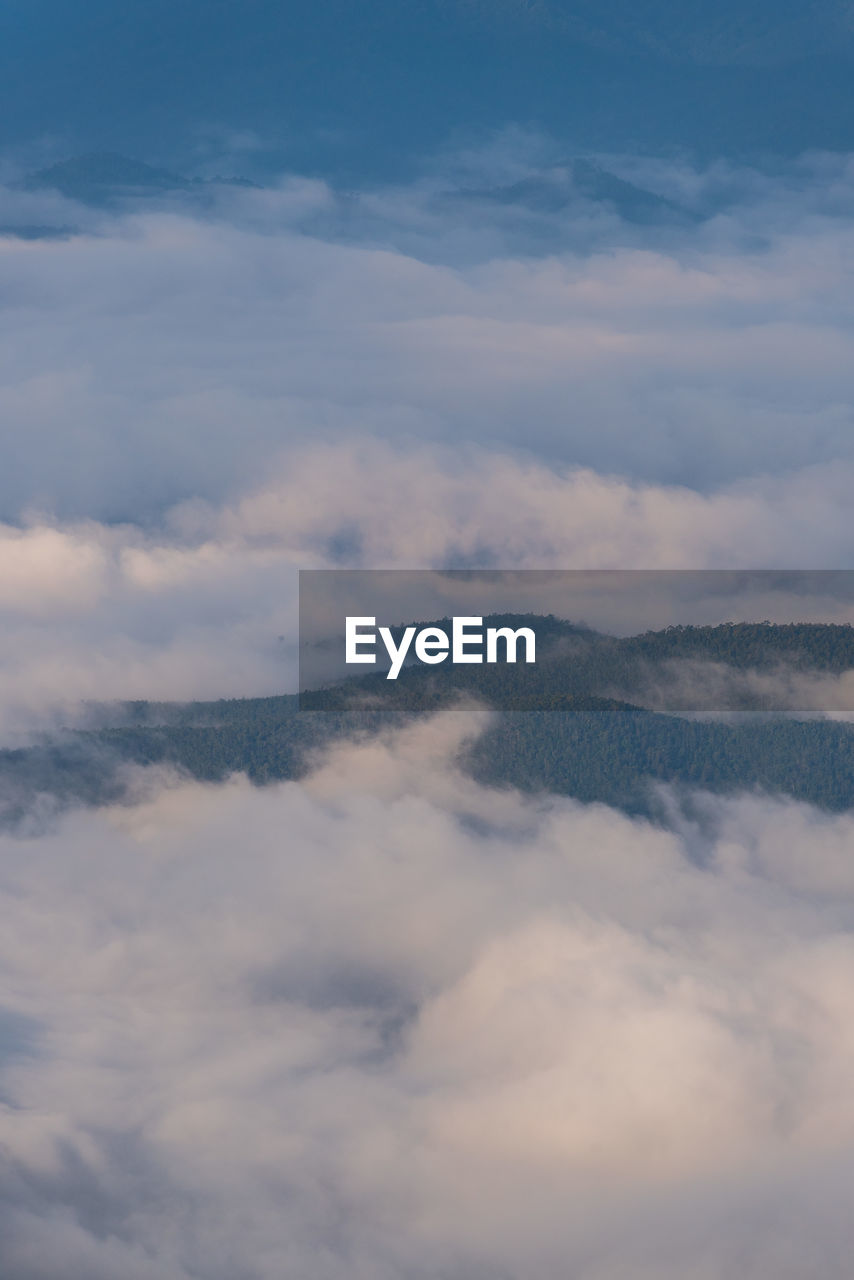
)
(386, 1022)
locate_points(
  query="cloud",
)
(204, 603)
(422, 1028)
(714, 688)
(387, 1023)
(202, 393)
(178, 350)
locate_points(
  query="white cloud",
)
(173, 354)
(199, 398)
(203, 605)
(386, 1023)
(421, 1028)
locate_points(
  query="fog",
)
(170, 350)
(387, 1023)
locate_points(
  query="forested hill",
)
(593, 745)
(681, 668)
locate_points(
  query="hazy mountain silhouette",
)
(563, 187)
(361, 87)
(102, 177)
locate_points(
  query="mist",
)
(158, 353)
(204, 391)
(387, 1023)
(418, 1027)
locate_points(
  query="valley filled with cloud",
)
(387, 1022)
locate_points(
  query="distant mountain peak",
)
(106, 170)
(560, 187)
(101, 176)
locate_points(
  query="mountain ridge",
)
(591, 745)
(363, 89)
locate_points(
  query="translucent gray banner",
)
(705, 642)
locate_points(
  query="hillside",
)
(104, 177)
(591, 745)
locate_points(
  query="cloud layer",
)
(204, 604)
(386, 1023)
(173, 353)
(418, 1028)
(201, 393)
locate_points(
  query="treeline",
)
(575, 664)
(590, 746)
(615, 756)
